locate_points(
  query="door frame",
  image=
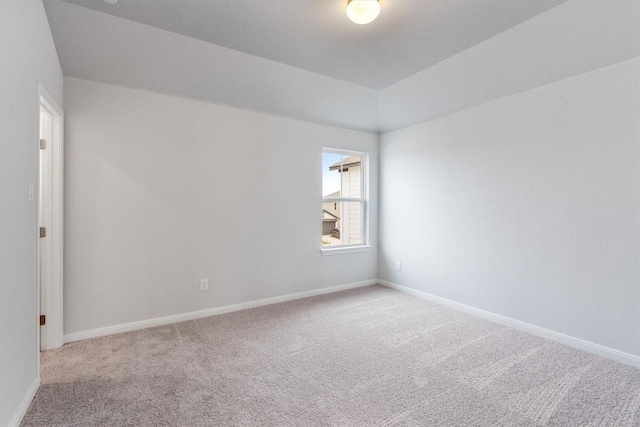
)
(53, 334)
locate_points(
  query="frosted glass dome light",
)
(363, 11)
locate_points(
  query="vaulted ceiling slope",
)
(315, 35)
(105, 48)
(574, 37)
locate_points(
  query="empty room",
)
(320, 213)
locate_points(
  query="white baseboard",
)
(159, 321)
(578, 343)
(600, 350)
(24, 404)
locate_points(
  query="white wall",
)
(527, 207)
(27, 55)
(101, 47)
(163, 191)
(570, 39)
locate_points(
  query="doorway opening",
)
(50, 222)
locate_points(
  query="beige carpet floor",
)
(365, 357)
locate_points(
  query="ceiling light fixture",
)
(111, 1)
(363, 11)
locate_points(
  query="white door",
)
(50, 221)
(44, 217)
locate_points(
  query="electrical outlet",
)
(204, 284)
(398, 266)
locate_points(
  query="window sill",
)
(345, 250)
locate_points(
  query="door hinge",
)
(43, 232)
(43, 144)
(43, 320)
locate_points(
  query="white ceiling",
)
(316, 35)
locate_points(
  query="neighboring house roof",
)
(349, 161)
(328, 216)
(336, 194)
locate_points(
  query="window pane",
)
(341, 175)
(351, 176)
(331, 177)
(342, 223)
(350, 223)
(330, 223)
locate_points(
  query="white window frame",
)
(363, 199)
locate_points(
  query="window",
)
(343, 199)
